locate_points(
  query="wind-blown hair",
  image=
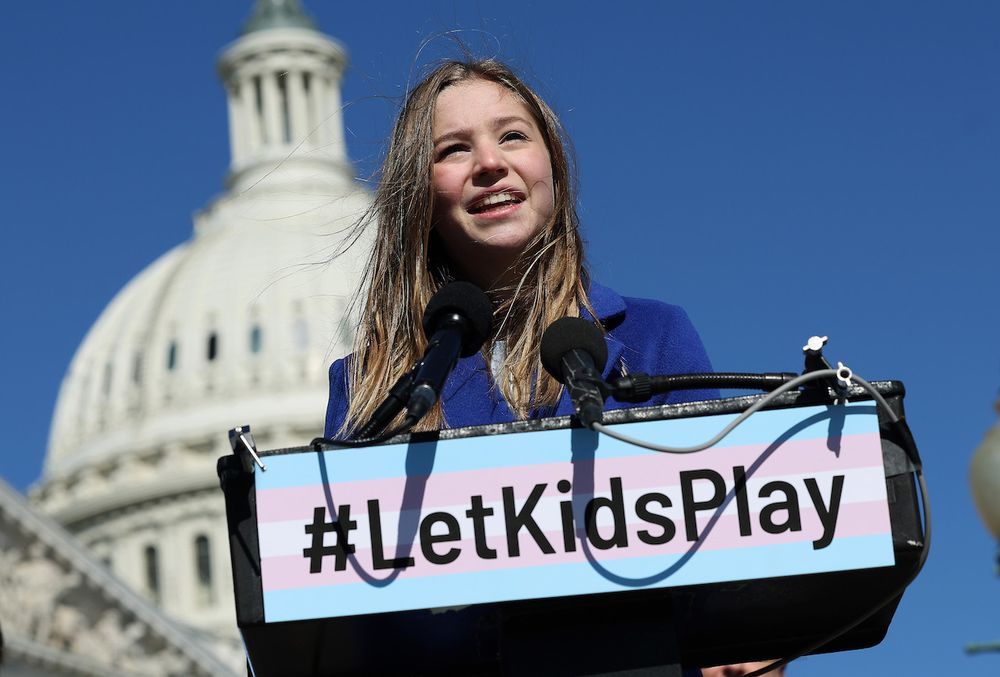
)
(409, 264)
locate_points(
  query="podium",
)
(538, 547)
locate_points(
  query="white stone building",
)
(236, 325)
(63, 613)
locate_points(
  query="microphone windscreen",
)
(569, 333)
(470, 302)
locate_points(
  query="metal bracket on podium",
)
(241, 440)
(814, 361)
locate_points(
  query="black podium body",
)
(633, 627)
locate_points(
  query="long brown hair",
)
(408, 263)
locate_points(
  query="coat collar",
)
(469, 397)
(607, 303)
(610, 309)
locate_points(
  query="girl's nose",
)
(490, 160)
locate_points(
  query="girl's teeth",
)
(495, 199)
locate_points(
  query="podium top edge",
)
(892, 390)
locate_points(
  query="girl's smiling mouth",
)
(495, 201)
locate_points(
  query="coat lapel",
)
(469, 397)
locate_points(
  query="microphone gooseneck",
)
(397, 398)
(639, 387)
(573, 351)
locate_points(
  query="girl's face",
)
(491, 176)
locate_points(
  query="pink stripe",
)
(857, 519)
(637, 472)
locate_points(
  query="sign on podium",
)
(544, 547)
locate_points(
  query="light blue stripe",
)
(552, 446)
(790, 559)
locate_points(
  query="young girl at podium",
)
(476, 186)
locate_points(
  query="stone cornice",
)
(171, 488)
(54, 594)
(21, 650)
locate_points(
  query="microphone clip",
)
(587, 389)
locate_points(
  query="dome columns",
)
(283, 87)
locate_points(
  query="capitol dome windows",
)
(105, 395)
(172, 356)
(256, 339)
(203, 570)
(301, 333)
(84, 401)
(212, 347)
(345, 328)
(137, 368)
(300, 326)
(106, 381)
(151, 565)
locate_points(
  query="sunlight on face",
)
(492, 178)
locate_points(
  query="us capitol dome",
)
(236, 325)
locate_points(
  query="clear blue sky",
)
(780, 169)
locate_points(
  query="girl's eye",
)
(513, 136)
(450, 150)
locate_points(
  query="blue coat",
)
(643, 336)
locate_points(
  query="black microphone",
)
(457, 321)
(574, 352)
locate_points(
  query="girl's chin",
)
(507, 237)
